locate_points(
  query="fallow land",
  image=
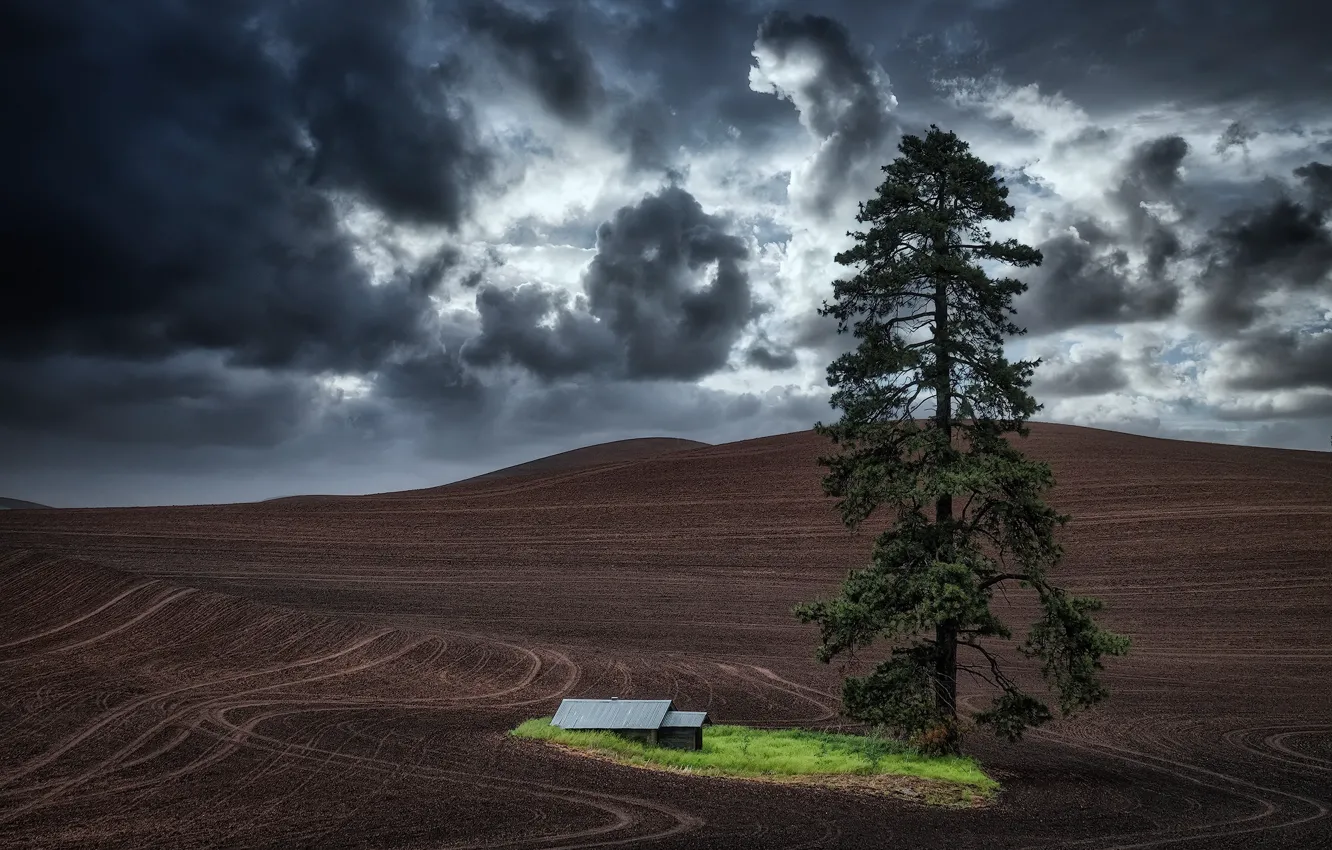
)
(342, 671)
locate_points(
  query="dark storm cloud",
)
(1103, 56)
(645, 128)
(1310, 407)
(543, 52)
(386, 124)
(1282, 246)
(1110, 55)
(571, 341)
(844, 73)
(547, 54)
(1152, 174)
(1281, 359)
(434, 400)
(1086, 276)
(1103, 373)
(434, 378)
(175, 158)
(1084, 281)
(187, 400)
(643, 282)
(474, 274)
(697, 55)
(819, 333)
(1317, 178)
(845, 99)
(183, 171)
(1152, 171)
(667, 296)
(1237, 134)
(770, 357)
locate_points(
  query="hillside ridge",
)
(8, 504)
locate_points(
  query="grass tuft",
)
(749, 752)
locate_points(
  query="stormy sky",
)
(266, 247)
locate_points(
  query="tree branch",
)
(1004, 682)
(967, 668)
(993, 580)
(896, 319)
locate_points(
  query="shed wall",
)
(681, 738)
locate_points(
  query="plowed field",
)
(340, 671)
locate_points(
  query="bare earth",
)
(340, 671)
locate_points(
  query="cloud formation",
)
(1092, 273)
(545, 54)
(187, 169)
(1284, 245)
(1116, 56)
(1096, 375)
(1283, 359)
(842, 95)
(667, 296)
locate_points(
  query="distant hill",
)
(14, 504)
(601, 454)
(618, 451)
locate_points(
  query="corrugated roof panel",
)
(611, 713)
(684, 719)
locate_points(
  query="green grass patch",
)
(772, 753)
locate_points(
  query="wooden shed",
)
(652, 721)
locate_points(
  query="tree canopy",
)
(927, 399)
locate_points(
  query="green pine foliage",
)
(966, 506)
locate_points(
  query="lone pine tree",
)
(968, 508)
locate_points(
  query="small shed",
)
(652, 721)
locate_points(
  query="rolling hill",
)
(619, 451)
(599, 455)
(342, 670)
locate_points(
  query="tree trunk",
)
(945, 670)
(945, 634)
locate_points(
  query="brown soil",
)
(590, 456)
(341, 672)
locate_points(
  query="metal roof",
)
(611, 713)
(684, 719)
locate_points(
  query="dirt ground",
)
(340, 671)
